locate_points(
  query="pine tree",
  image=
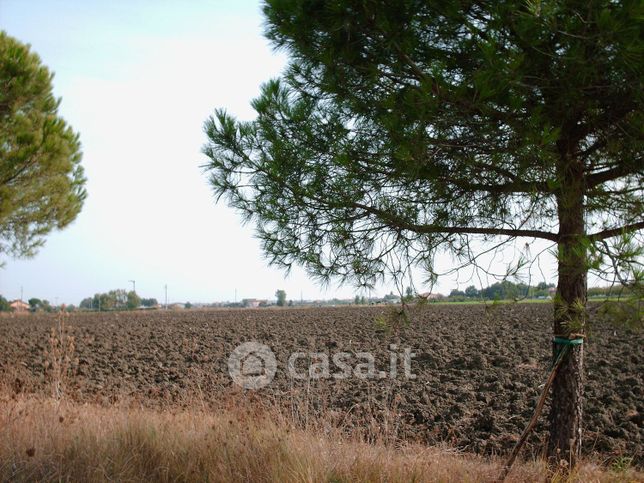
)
(41, 179)
(401, 128)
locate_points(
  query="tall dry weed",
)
(60, 364)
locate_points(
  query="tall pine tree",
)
(405, 127)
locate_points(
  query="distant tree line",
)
(505, 290)
(35, 305)
(605, 292)
(360, 300)
(118, 299)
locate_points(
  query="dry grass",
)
(46, 439)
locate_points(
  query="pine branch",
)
(602, 235)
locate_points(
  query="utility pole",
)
(235, 295)
(133, 282)
(166, 296)
(21, 293)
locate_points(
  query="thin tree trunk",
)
(566, 413)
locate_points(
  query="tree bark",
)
(566, 413)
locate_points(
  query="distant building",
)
(432, 296)
(19, 306)
(252, 303)
(150, 307)
(391, 299)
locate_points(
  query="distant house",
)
(19, 306)
(432, 296)
(252, 303)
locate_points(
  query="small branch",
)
(511, 187)
(392, 220)
(602, 235)
(617, 172)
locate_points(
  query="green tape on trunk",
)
(562, 341)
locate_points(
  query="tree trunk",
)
(568, 387)
(566, 412)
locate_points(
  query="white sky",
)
(138, 79)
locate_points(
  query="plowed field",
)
(477, 371)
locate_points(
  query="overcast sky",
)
(137, 80)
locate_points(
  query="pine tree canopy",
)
(403, 127)
(41, 179)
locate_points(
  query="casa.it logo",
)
(252, 365)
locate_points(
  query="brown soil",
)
(478, 371)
